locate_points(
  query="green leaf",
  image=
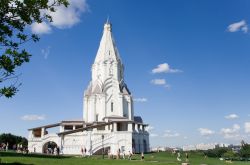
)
(8, 91)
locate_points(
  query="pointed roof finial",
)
(107, 25)
(107, 22)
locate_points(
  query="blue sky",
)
(186, 64)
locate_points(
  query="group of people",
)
(179, 156)
(122, 155)
(51, 151)
(4, 147)
(119, 154)
(19, 148)
(83, 152)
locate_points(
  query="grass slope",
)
(150, 159)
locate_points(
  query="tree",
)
(15, 16)
(230, 155)
(12, 140)
(245, 150)
(217, 152)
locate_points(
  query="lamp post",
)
(102, 147)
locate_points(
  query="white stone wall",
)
(72, 144)
(38, 143)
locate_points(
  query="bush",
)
(217, 152)
(245, 151)
(12, 140)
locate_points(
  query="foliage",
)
(217, 152)
(245, 151)
(15, 16)
(230, 155)
(13, 140)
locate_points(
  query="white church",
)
(108, 121)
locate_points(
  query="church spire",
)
(107, 93)
(107, 48)
(107, 61)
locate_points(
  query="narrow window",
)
(112, 106)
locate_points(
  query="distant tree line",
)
(12, 140)
(228, 153)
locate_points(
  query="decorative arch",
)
(97, 86)
(49, 146)
(107, 84)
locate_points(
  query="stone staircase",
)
(99, 143)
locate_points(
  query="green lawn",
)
(151, 159)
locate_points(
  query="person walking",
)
(186, 156)
(129, 155)
(82, 152)
(142, 156)
(85, 151)
(179, 156)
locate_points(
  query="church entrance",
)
(50, 148)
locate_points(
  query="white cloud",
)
(46, 52)
(232, 116)
(247, 127)
(158, 81)
(231, 132)
(161, 82)
(40, 28)
(205, 131)
(237, 26)
(63, 17)
(170, 134)
(141, 99)
(165, 68)
(33, 117)
(68, 17)
(153, 135)
(150, 128)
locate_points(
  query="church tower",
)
(108, 121)
(107, 94)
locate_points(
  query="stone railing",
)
(45, 137)
(99, 142)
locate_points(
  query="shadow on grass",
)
(14, 154)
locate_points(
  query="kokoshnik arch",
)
(108, 112)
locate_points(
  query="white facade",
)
(108, 121)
